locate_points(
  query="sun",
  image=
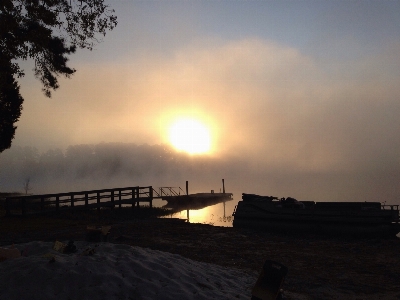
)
(190, 135)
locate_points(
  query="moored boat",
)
(197, 198)
(366, 219)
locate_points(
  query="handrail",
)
(97, 198)
(167, 191)
(74, 193)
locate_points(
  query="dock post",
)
(133, 197)
(138, 195)
(224, 209)
(187, 187)
(151, 196)
(112, 200)
(223, 186)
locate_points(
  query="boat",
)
(199, 199)
(288, 215)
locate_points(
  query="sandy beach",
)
(116, 271)
(318, 268)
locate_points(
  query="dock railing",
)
(167, 191)
(84, 200)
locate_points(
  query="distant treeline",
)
(104, 162)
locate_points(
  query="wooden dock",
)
(84, 200)
(106, 198)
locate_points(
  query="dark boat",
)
(358, 219)
(199, 198)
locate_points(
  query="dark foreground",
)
(318, 268)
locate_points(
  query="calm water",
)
(219, 214)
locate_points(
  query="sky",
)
(300, 97)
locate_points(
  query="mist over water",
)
(112, 165)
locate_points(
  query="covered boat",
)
(366, 219)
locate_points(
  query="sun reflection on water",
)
(219, 214)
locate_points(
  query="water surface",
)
(219, 214)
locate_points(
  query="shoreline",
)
(318, 267)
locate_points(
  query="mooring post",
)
(223, 186)
(187, 187)
(224, 208)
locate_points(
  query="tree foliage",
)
(10, 104)
(46, 31)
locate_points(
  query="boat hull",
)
(197, 198)
(325, 229)
(360, 219)
(195, 203)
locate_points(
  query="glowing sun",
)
(190, 136)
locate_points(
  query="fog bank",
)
(110, 165)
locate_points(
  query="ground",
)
(318, 267)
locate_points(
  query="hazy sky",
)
(305, 86)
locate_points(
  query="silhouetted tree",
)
(10, 104)
(46, 31)
(27, 185)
